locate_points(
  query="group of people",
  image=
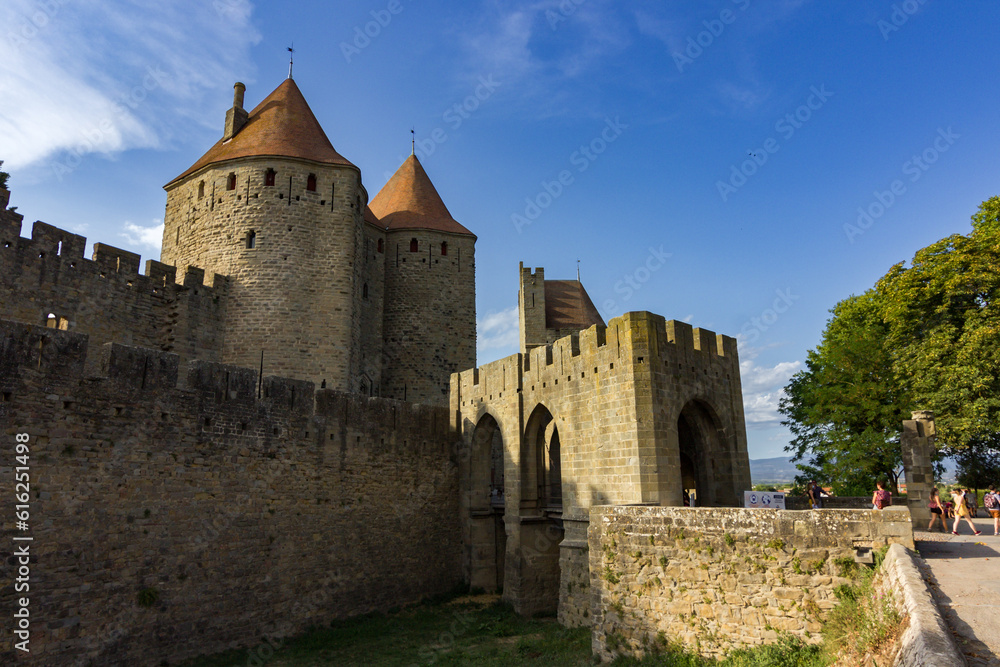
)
(963, 506)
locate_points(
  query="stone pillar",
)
(917, 443)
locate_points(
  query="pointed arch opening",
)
(705, 460)
(487, 496)
(542, 529)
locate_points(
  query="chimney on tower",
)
(236, 117)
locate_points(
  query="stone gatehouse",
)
(635, 412)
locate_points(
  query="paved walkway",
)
(964, 575)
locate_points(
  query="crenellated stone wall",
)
(171, 522)
(105, 297)
(636, 411)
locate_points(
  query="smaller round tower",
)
(429, 322)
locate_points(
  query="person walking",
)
(812, 490)
(937, 511)
(961, 511)
(991, 501)
(881, 498)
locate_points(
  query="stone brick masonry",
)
(717, 579)
(105, 297)
(623, 405)
(171, 522)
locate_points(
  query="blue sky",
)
(707, 161)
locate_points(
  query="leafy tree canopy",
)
(3, 176)
(924, 337)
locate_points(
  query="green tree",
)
(925, 337)
(978, 463)
(3, 176)
(844, 409)
(943, 317)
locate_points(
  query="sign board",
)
(764, 500)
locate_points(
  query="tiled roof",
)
(410, 201)
(568, 306)
(282, 125)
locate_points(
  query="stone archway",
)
(704, 457)
(488, 537)
(541, 525)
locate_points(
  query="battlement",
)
(52, 244)
(33, 357)
(527, 273)
(633, 339)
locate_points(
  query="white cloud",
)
(103, 76)
(144, 237)
(763, 387)
(499, 331)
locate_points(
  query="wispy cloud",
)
(103, 76)
(498, 333)
(144, 237)
(543, 44)
(763, 386)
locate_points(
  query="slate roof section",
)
(282, 125)
(410, 201)
(568, 306)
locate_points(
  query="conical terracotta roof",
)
(410, 201)
(282, 125)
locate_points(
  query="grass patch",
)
(481, 630)
(464, 631)
(866, 620)
(787, 652)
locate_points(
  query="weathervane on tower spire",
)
(291, 55)
(413, 141)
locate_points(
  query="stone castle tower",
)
(429, 326)
(378, 301)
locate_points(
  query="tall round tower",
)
(276, 208)
(429, 325)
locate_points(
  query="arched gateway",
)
(631, 413)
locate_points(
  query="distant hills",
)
(783, 471)
(779, 469)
